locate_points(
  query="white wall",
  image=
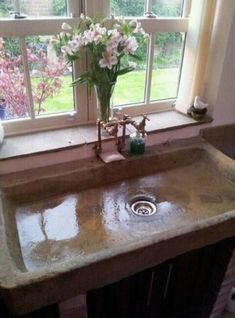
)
(220, 78)
(224, 108)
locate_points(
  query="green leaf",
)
(136, 57)
(125, 70)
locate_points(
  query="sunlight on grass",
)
(164, 83)
(129, 89)
(62, 102)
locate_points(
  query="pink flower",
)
(76, 43)
(66, 50)
(130, 45)
(108, 60)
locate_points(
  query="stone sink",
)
(69, 228)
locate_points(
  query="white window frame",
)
(21, 28)
(87, 110)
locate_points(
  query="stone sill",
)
(67, 138)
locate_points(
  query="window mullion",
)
(148, 5)
(17, 5)
(148, 80)
(27, 77)
(73, 8)
(187, 8)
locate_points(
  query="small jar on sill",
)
(137, 143)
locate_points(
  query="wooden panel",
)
(184, 287)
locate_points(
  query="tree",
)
(127, 8)
(59, 7)
(12, 80)
(5, 7)
(167, 45)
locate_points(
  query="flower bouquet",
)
(108, 45)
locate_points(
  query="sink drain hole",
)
(143, 207)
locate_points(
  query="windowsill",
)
(67, 138)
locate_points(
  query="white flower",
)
(133, 23)
(66, 50)
(53, 40)
(82, 16)
(66, 27)
(98, 33)
(76, 43)
(116, 36)
(112, 47)
(138, 29)
(112, 43)
(88, 37)
(62, 34)
(108, 60)
(130, 45)
(146, 36)
(99, 30)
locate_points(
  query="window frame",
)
(153, 26)
(87, 111)
(33, 26)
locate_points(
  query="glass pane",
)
(127, 8)
(168, 54)
(130, 87)
(13, 98)
(167, 8)
(43, 7)
(5, 7)
(51, 78)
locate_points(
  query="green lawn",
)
(62, 102)
(129, 89)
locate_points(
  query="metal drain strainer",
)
(143, 206)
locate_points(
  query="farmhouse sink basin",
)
(70, 228)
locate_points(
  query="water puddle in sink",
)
(94, 220)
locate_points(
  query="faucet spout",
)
(140, 127)
(112, 127)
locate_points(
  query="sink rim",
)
(19, 280)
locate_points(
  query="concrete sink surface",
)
(68, 228)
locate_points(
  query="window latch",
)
(150, 14)
(17, 15)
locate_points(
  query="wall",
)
(224, 108)
(219, 90)
(220, 78)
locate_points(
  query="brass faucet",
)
(112, 127)
(140, 127)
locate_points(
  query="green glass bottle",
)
(137, 143)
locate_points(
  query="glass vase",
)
(104, 92)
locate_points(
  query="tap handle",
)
(145, 117)
(141, 126)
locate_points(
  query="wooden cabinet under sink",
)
(183, 287)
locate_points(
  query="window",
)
(154, 84)
(37, 79)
